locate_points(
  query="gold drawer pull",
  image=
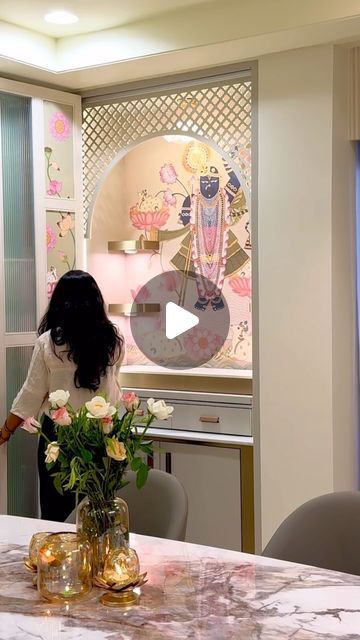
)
(139, 412)
(213, 419)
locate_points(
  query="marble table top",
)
(193, 592)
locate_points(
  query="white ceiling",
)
(94, 15)
(120, 41)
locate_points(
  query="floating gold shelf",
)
(134, 309)
(133, 246)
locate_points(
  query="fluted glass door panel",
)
(22, 449)
(18, 213)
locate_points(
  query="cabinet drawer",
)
(212, 419)
(205, 412)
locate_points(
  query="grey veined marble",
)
(193, 592)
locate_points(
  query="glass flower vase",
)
(106, 527)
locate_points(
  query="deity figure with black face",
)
(210, 251)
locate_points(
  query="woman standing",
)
(78, 350)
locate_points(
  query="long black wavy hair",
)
(76, 318)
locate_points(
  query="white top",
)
(48, 372)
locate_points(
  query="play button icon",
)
(178, 320)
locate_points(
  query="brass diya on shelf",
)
(121, 578)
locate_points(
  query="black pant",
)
(54, 506)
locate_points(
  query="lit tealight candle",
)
(36, 542)
(121, 566)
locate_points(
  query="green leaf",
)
(142, 475)
(147, 448)
(136, 464)
(86, 455)
(57, 484)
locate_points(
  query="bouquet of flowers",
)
(96, 444)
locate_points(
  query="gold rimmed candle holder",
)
(64, 568)
(121, 578)
(37, 540)
(120, 595)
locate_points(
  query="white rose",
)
(59, 398)
(99, 408)
(31, 425)
(52, 452)
(159, 409)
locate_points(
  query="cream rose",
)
(99, 408)
(115, 449)
(59, 398)
(52, 452)
(31, 425)
(159, 409)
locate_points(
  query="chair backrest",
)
(323, 532)
(159, 509)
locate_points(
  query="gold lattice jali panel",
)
(218, 113)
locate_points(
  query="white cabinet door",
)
(211, 478)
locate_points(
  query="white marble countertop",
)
(193, 592)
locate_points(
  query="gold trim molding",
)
(133, 309)
(133, 246)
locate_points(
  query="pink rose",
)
(130, 401)
(55, 187)
(107, 424)
(169, 198)
(168, 174)
(61, 417)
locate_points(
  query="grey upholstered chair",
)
(323, 532)
(159, 509)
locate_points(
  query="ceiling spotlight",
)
(61, 17)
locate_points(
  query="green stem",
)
(183, 186)
(73, 237)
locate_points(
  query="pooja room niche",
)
(151, 162)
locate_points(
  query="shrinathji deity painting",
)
(183, 193)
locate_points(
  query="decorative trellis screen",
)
(218, 111)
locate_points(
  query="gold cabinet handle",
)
(213, 419)
(139, 412)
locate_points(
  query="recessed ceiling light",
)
(61, 17)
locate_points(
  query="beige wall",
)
(305, 257)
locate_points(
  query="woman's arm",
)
(10, 425)
(30, 397)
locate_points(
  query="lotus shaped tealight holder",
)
(121, 578)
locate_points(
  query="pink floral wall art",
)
(58, 150)
(60, 246)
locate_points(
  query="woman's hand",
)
(10, 425)
(4, 435)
